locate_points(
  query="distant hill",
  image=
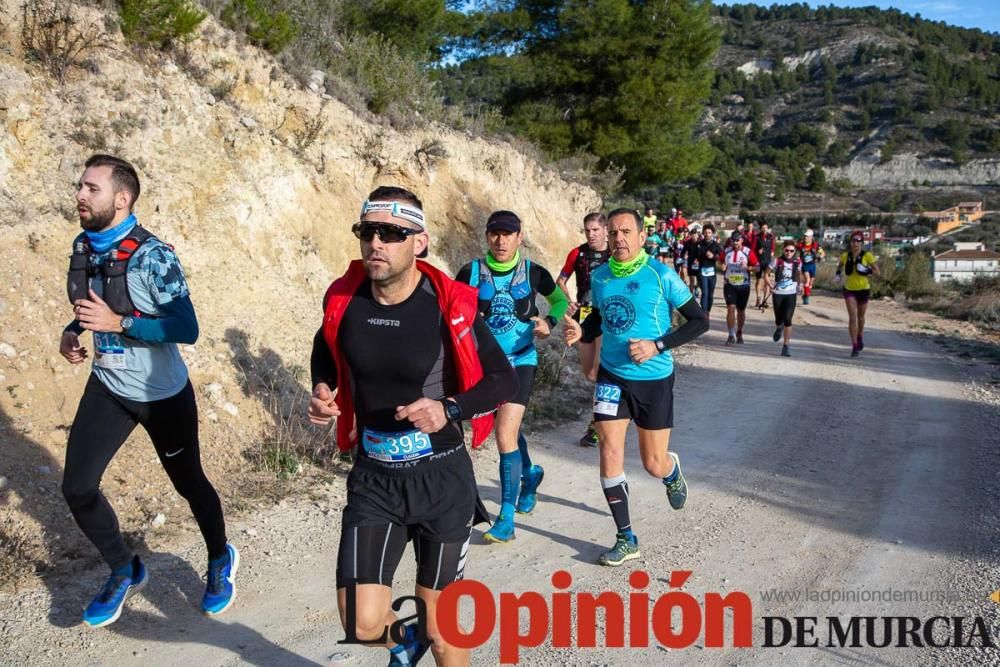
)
(828, 107)
(839, 100)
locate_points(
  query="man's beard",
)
(98, 219)
(385, 273)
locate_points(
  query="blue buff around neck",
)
(102, 241)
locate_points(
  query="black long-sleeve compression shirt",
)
(401, 352)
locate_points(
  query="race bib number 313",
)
(606, 399)
(396, 447)
(110, 351)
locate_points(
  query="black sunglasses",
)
(387, 233)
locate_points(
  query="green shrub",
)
(159, 22)
(918, 281)
(391, 81)
(271, 30)
(977, 301)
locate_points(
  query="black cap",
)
(503, 221)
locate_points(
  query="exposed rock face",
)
(256, 182)
(904, 169)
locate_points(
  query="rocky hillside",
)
(256, 182)
(877, 99)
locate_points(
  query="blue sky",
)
(982, 14)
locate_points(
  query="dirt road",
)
(825, 480)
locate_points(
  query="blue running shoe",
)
(413, 650)
(220, 591)
(502, 530)
(107, 606)
(530, 481)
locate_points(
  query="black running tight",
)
(784, 308)
(103, 422)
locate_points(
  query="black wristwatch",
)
(660, 346)
(126, 323)
(451, 410)
(552, 321)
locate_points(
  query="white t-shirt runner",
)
(738, 263)
(786, 275)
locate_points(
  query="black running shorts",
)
(591, 326)
(736, 296)
(526, 381)
(860, 295)
(649, 403)
(435, 503)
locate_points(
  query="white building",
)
(836, 234)
(965, 261)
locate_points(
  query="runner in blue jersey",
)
(635, 380)
(128, 290)
(508, 283)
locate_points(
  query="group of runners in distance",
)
(403, 356)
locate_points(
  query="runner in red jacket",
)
(401, 360)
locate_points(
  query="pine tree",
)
(626, 81)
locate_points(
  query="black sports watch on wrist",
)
(660, 346)
(552, 321)
(452, 411)
(126, 323)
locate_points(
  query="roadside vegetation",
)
(909, 279)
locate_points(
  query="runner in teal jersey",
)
(635, 298)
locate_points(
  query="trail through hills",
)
(810, 474)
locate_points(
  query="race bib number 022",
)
(606, 399)
(396, 447)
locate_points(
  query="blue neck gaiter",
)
(102, 241)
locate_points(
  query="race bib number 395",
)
(606, 399)
(396, 447)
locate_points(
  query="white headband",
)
(397, 210)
